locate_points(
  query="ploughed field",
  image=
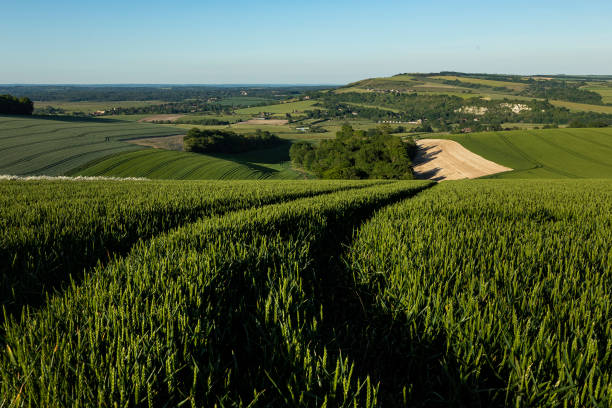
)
(312, 293)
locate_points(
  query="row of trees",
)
(225, 141)
(357, 154)
(15, 106)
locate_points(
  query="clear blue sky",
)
(181, 41)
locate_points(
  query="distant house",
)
(244, 93)
(466, 130)
(99, 112)
(302, 129)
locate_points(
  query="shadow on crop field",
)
(412, 369)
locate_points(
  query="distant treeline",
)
(223, 141)
(170, 93)
(357, 154)
(15, 106)
(171, 107)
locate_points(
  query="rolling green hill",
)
(55, 145)
(551, 153)
(164, 164)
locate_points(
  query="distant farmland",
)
(289, 107)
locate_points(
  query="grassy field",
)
(161, 164)
(583, 107)
(482, 293)
(281, 108)
(550, 153)
(54, 146)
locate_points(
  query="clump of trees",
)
(16, 106)
(357, 154)
(225, 141)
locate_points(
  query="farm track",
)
(333, 222)
(109, 254)
(400, 295)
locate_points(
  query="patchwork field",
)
(552, 153)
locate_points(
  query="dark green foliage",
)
(563, 91)
(226, 141)
(356, 154)
(15, 106)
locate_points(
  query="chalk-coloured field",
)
(440, 159)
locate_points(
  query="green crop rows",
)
(55, 146)
(343, 294)
(50, 229)
(544, 154)
(163, 164)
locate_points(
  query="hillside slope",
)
(55, 145)
(164, 164)
(551, 153)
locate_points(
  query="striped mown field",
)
(54, 146)
(164, 164)
(545, 153)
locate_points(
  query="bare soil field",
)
(166, 142)
(439, 160)
(165, 116)
(271, 122)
